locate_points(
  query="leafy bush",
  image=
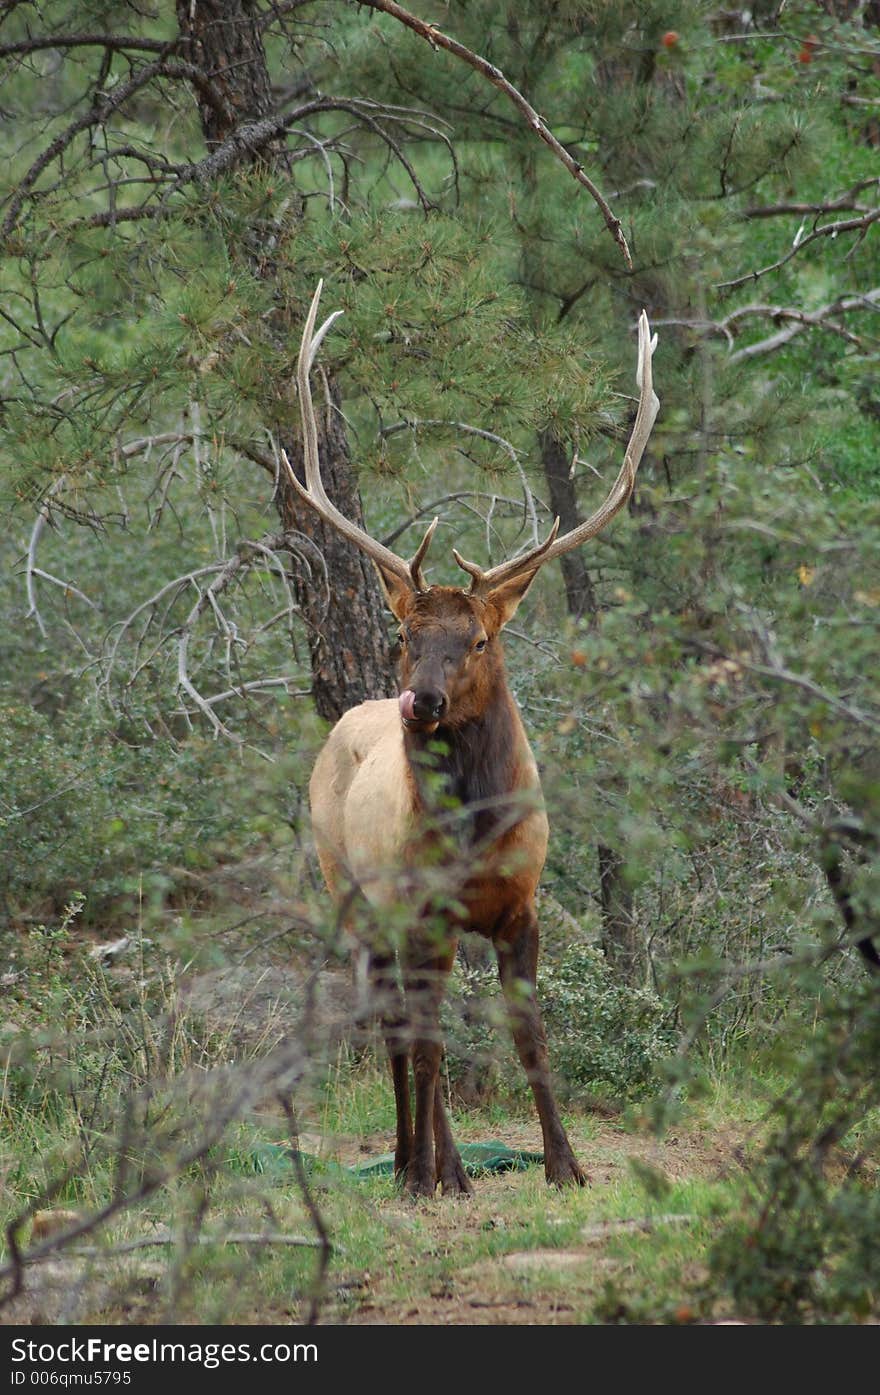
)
(604, 1037)
(603, 1034)
(806, 1243)
(81, 809)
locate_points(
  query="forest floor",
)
(632, 1246)
(548, 1282)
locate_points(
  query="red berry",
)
(805, 56)
(669, 39)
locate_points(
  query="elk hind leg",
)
(517, 947)
(451, 1175)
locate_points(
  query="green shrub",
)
(604, 1037)
(806, 1243)
(83, 810)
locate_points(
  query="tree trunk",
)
(580, 597)
(342, 608)
(223, 39)
(621, 942)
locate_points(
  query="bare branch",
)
(843, 225)
(257, 686)
(144, 1242)
(778, 672)
(65, 586)
(114, 43)
(467, 430)
(97, 115)
(31, 569)
(799, 320)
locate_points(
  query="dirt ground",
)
(255, 1005)
(519, 1287)
(509, 1289)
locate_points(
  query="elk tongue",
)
(406, 703)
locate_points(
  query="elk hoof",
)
(566, 1172)
(454, 1181)
(418, 1185)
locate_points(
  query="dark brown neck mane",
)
(475, 760)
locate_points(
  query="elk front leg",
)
(389, 1000)
(426, 969)
(517, 946)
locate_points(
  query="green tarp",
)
(478, 1159)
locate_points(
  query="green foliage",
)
(711, 719)
(807, 1240)
(606, 1039)
(607, 1036)
(82, 808)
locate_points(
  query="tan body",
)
(365, 813)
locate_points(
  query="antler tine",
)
(527, 561)
(418, 557)
(619, 493)
(313, 491)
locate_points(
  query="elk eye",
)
(402, 637)
(480, 646)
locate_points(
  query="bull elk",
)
(374, 790)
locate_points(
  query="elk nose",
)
(429, 705)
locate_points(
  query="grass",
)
(517, 1251)
(109, 1086)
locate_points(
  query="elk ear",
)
(396, 592)
(506, 597)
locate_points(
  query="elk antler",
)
(313, 490)
(649, 405)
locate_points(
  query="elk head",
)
(450, 653)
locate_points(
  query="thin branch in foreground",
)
(437, 39)
(144, 1242)
(324, 1243)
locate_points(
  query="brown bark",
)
(580, 598)
(342, 613)
(222, 38)
(621, 942)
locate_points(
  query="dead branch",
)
(97, 115)
(31, 568)
(777, 672)
(843, 225)
(114, 43)
(799, 320)
(258, 685)
(227, 1095)
(317, 1219)
(145, 1242)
